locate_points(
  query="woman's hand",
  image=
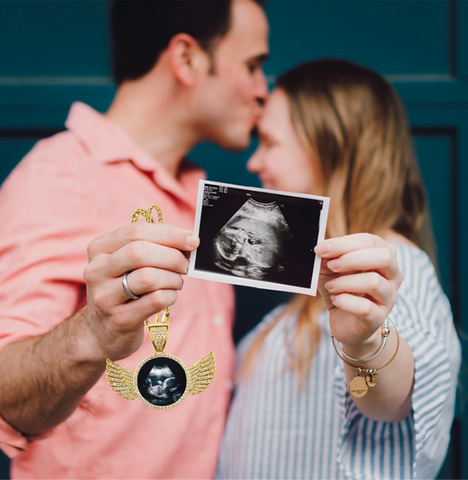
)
(359, 279)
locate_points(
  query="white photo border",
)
(267, 285)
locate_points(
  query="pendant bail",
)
(159, 330)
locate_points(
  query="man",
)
(186, 72)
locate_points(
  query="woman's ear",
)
(187, 58)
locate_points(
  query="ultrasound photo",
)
(162, 381)
(253, 243)
(258, 237)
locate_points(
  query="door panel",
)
(58, 53)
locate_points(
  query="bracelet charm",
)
(358, 385)
(372, 377)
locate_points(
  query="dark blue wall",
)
(55, 52)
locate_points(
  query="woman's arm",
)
(359, 282)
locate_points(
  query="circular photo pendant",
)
(161, 381)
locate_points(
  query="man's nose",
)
(261, 88)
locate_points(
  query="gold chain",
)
(147, 215)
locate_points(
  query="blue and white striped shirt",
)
(276, 430)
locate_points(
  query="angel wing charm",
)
(201, 374)
(121, 380)
(161, 381)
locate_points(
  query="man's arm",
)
(44, 378)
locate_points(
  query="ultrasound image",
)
(256, 237)
(162, 381)
(253, 241)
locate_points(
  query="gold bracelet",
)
(365, 378)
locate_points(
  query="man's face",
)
(231, 95)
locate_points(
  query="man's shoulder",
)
(54, 161)
(62, 152)
(55, 147)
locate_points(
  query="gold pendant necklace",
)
(160, 381)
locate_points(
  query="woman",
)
(370, 402)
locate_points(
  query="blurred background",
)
(53, 52)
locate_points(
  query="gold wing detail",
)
(201, 374)
(121, 380)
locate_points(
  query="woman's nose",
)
(254, 162)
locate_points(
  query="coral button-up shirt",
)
(68, 190)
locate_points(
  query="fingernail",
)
(322, 248)
(192, 240)
(330, 286)
(334, 265)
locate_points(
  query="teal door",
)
(54, 52)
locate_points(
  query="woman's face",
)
(280, 159)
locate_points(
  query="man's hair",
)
(142, 29)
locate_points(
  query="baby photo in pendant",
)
(162, 381)
(258, 237)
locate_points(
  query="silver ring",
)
(126, 288)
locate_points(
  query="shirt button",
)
(218, 319)
(229, 384)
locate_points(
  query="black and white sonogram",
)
(162, 381)
(253, 242)
(258, 237)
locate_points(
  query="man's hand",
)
(359, 280)
(110, 326)
(156, 257)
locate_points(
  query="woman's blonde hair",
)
(353, 123)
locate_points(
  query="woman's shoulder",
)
(410, 257)
(420, 286)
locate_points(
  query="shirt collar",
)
(105, 141)
(108, 143)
